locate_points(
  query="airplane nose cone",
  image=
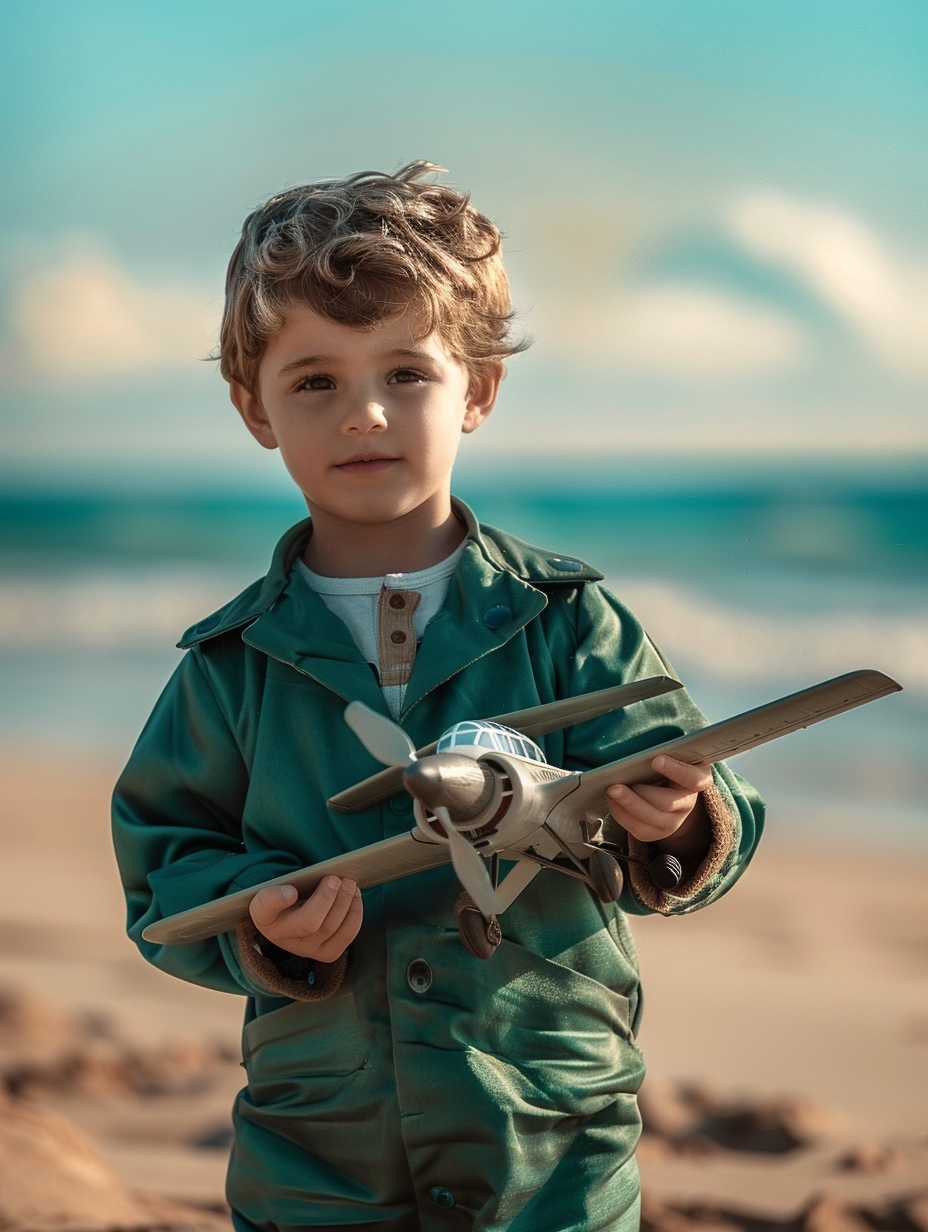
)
(461, 785)
(423, 781)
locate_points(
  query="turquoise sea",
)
(754, 579)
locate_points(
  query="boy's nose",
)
(366, 417)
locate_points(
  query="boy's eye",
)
(406, 376)
(316, 382)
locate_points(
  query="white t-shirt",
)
(359, 603)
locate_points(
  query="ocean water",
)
(755, 581)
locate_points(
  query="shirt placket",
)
(396, 636)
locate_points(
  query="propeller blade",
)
(382, 738)
(469, 866)
(514, 883)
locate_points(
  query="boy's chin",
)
(370, 510)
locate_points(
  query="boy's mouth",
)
(366, 464)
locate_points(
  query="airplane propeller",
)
(387, 741)
(384, 740)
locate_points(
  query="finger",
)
(343, 936)
(633, 805)
(640, 817)
(336, 914)
(268, 904)
(309, 916)
(671, 799)
(693, 778)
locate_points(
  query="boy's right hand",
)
(321, 927)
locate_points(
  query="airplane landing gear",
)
(480, 936)
(605, 875)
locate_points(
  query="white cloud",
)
(84, 316)
(848, 266)
(689, 331)
(678, 330)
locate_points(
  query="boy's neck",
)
(407, 544)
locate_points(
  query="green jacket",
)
(503, 1095)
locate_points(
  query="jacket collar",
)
(493, 594)
(259, 597)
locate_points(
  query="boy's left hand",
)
(321, 927)
(673, 816)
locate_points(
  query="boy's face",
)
(368, 422)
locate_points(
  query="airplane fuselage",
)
(515, 814)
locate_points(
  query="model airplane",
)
(484, 793)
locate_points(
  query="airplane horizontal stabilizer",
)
(533, 722)
(377, 864)
(728, 738)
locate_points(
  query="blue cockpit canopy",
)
(480, 734)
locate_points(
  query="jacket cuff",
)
(299, 979)
(724, 825)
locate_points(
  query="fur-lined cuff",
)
(304, 979)
(724, 825)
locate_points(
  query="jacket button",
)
(442, 1197)
(498, 616)
(401, 803)
(398, 637)
(397, 602)
(419, 977)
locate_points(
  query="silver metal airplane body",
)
(484, 793)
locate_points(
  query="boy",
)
(394, 1080)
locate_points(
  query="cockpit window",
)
(485, 735)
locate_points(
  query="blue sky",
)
(714, 211)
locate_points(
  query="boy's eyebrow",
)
(412, 354)
(305, 362)
(308, 361)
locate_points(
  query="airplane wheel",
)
(666, 871)
(480, 936)
(605, 876)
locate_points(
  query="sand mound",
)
(825, 1213)
(694, 1119)
(30, 1026)
(46, 1051)
(52, 1179)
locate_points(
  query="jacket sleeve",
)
(612, 647)
(177, 812)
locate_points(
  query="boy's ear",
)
(249, 407)
(481, 396)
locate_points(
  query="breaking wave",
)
(150, 609)
(732, 643)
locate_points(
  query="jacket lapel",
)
(300, 630)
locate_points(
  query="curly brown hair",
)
(360, 249)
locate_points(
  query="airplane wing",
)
(539, 720)
(726, 739)
(536, 721)
(376, 864)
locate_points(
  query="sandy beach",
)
(786, 1031)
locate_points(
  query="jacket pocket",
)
(550, 1037)
(304, 1052)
